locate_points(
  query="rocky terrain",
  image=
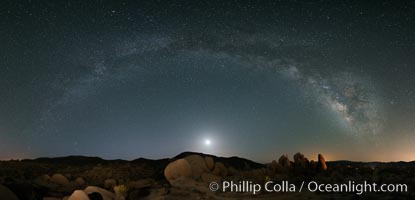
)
(187, 176)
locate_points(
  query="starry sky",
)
(255, 79)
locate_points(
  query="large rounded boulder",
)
(80, 182)
(79, 195)
(59, 179)
(198, 165)
(210, 163)
(177, 169)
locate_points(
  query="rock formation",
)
(321, 165)
(197, 164)
(80, 182)
(177, 169)
(189, 176)
(59, 179)
(210, 163)
(300, 160)
(313, 165)
(79, 195)
(220, 170)
(110, 183)
(284, 161)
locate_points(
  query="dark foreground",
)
(189, 175)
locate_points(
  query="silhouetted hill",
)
(71, 160)
(235, 162)
(145, 160)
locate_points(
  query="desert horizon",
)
(198, 175)
(329, 159)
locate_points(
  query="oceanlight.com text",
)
(312, 186)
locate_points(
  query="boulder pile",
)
(195, 167)
(301, 164)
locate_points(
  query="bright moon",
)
(208, 142)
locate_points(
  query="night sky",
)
(250, 79)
